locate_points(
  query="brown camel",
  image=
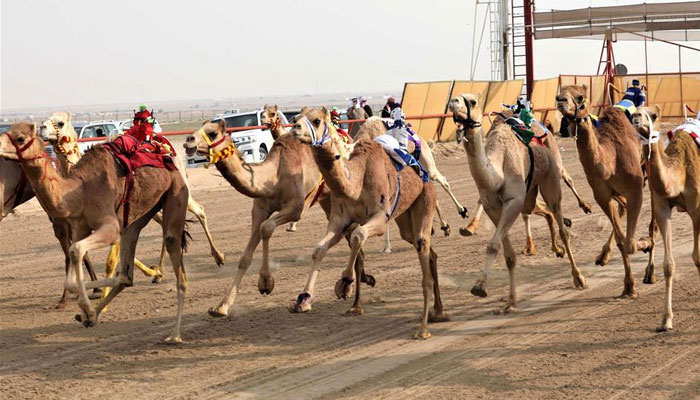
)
(610, 158)
(674, 179)
(367, 192)
(89, 197)
(279, 186)
(356, 113)
(508, 175)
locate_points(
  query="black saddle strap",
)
(528, 180)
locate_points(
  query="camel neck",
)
(53, 190)
(252, 180)
(666, 174)
(277, 131)
(479, 164)
(588, 146)
(337, 172)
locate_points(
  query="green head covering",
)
(143, 107)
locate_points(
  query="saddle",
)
(132, 154)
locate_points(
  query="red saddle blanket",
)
(132, 154)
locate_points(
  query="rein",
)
(20, 149)
(654, 135)
(325, 137)
(218, 155)
(60, 148)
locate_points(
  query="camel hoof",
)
(291, 229)
(218, 257)
(468, 231)
(88, 323)
(649, 276)
(509, 309)
(464, 212)
(342, 287)
(78, 317)
(567, 222)
(421, 335)
(438, 317)
(580, 282)
(302, 305)
(157, 279)
(446, 230)
(479, 290)
(266, 284)
(354, 311)
(368, 279)
(586, 207)
(385, 250)
(529, 251)
(628, 295)
(95, 296)
(216, 313)
(173, 340)
(666, 325)
(60, 306)
(602, 258)
(559, 253)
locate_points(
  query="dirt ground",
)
(564, 343)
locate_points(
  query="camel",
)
(58, 130)
(508, 175)
(270, 117)
(279, 185)
(610, 158)
(367, 192)
(89, 197)
(544, 136)
(356, 113)
(674, 180)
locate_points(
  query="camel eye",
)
(20, 139)
(61, 124)
(317, 122)
(580, 98)
(473, 103)
(212, 135)
(653, 117)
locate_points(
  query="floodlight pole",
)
(529, 57)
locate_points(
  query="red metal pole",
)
(529, 57)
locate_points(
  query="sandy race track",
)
(564, 343)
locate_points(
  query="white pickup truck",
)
(253, 144)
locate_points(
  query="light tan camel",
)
(270, 117)
(89, 197)
(279, 187)
(674, 179)
(610, 158)
(367, 192)
(508, 175)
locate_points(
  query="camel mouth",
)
(190, 151)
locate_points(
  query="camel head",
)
(572, 101)
(21, 142)
(211, 140)
(312, 125)
(58, 125)
(466, 111)
(647, 119)
(270, 117)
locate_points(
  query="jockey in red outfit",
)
(142, 130)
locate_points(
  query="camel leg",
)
(511, 262)
(292, 227)
(103, 236)
(420, 214)
(290, 213)
(446, 185)
(126, 250)
(648, 245)
(634, 208)
(608, 207)
(543, 210)
(387, 241)
(503, 218)
(470, 230)
(334, 232)
(604, 256)
(375, 226)
(529, 249)
(444, 226)
(174, 211)
(197, 209)
(586, 207)
(662, 214)
(551, 193)
(258, 216)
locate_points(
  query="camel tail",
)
(186, 238)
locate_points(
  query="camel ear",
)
(206, 121)
(585, 88)
(33, 128)
(222, 125)
(657, 110)
(275, 107)
(478, 96)
(325, 110)
(265, 106)
(68, 116)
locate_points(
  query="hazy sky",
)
(94, 52)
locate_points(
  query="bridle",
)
(274, 125)
(576, 118)
(60, 148)
(217, 155)
(654, 135)
(20, 149)
(325, 137)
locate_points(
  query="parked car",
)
(5, 126)
(230, 111)
(96, 129)
(128, 123)
(253, 144)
